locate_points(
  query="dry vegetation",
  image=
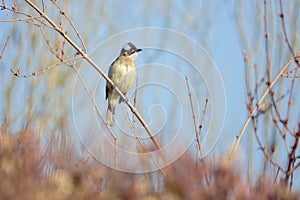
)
(28, 172)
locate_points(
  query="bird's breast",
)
(125, 76)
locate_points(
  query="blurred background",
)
(227, 30)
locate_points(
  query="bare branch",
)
(71, 23)
(135, 99)
(43, 6)
(285, 34)
(263, 149)
(293, 77)
(137, 137)
(35, 20)
(204, 111)
(195, 126)
(292, 159)
(4, 47)
(45, 70)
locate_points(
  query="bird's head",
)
(129, 50)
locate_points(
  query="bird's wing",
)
(110, 74)
(111, 68)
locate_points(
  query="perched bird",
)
(123, 73)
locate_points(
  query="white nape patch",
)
(127, 47)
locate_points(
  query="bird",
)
(123, 74)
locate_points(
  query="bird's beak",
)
(138, 50)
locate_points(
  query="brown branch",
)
(263, 149)
(284, 121)
(267, 43)
(259, 109)
(26, 19)
(50, 47)
(288, 76)
(289, 102)
(43, 6)
(204, 111)
(194, 118)
(135, 99)
(285, 33)
(295, 59)
(292, 159)
(42, 71)
(131, 125)
(62, 12)
(4, 47)
(276, 175)
(195, 127)
(294, 167)
(266, 107)
(248, 87)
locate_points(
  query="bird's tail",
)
(110, 115)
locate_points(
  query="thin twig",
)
(4, 47)
(267, 43)
(293, 77)
(29, 18)
(135, 100)
(263, 149)
(43, 6)
(294, 167)
(267, 106)
(50, 47)
(292, 70)
(71, 23)
(26, 19)
(199, 148)
(276, 175)
(268, 60)
(204, 111)
(267, 67)
(290, 101)
(247, 80)
(194, 117)
(44, 70)
(271, 93)
(282, 134)
(131, 125)
(285, 34)
(295, 59)
(292, 159)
